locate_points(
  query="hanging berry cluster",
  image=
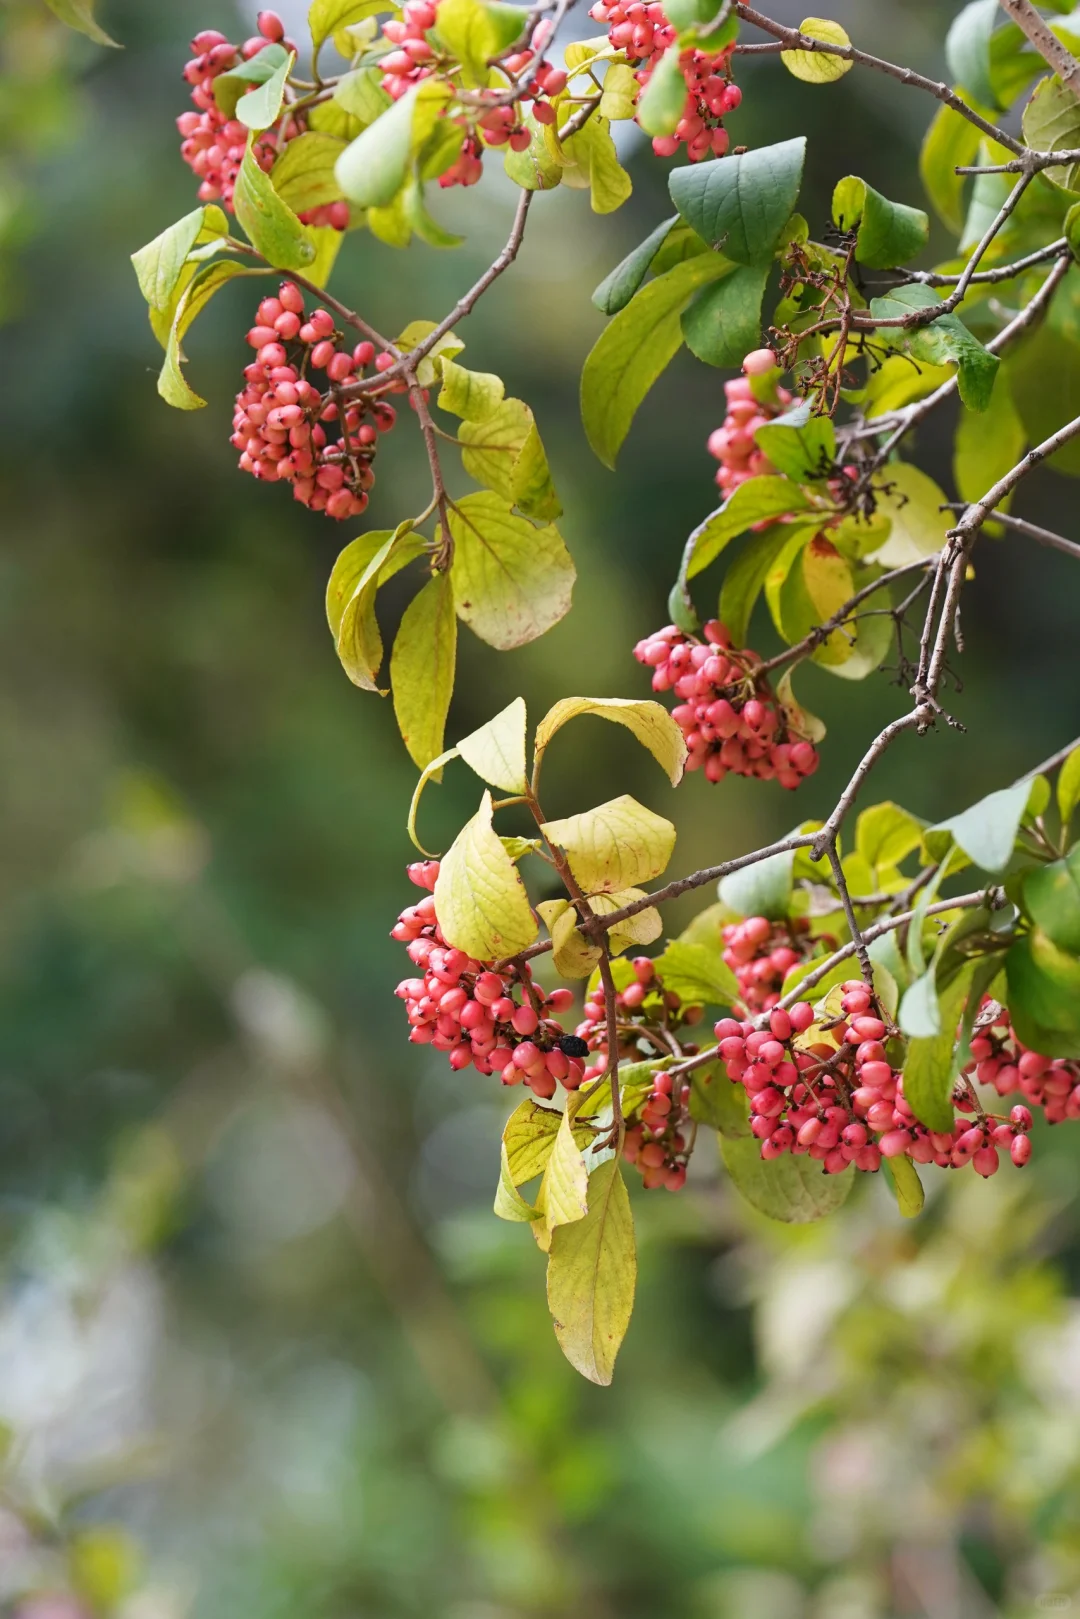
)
(1001, 1060)
(468, 1010)
(729, 715)
(844, 1104)
(643, 1002)
(281, 417)
(732, 444)
(644, 33)
(213, 144)
(761, 954)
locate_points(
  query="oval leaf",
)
(740, 205)
(795, 1190)
(480, 900)
(422, 669)
(592, 1275)
(270, 224)
(615, 846)
(512, 581)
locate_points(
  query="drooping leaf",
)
(79, 14)
(758, 500)
(480, 900)
(650, 722)
(261, 107)
(618, 287)
(1068, 787)
(512, 581)
(592, 1274)
(270, 224)
(304, 176)
(723, 323)
(358, 573)
(888, 233)
(422, 669)
(619, 97)
(1044, 995)
(929, 1066)
(745, 577)
(740, 205)
(818, 67)
(763, 889)
(945, 341)
(328, 17)
(372, 170)
(885, 834)
(528, 1138)
(661, 104)
(642, 928)
(967, 50)
(795, 1190)
(906, 1185)
(920, 1010)
(497, 750)
(229, 87)
(563, 1195)
(614, 846)
(590, 158)
(987, 831)
(635, 348)
(1052, 899)
(447, 347)
(207, 281)
(503, 450)
(509, 1203)
(160, 264)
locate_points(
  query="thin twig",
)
(1049, 47)
(1044, 536)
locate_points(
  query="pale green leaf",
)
(913, 502)
(967, 49)
(512, 581)
(951, 142)
(328, 17)
(304, 176)
(472, 395)
(270, 224)
(373, 169)
(475, 32)
(906, 1185)
(614, 846)
(430, 771)
(987, 831)
(818, 67)
(758, 500)
(664, 97)
(422, 669)
(160, 264)
(697, 973)
(79, 14)
(509, 1203)
(763, 889)
(480, 900)
(1068, 787)
(592, 153)
(592, 1274)
(795, 1190)
(260, 108)
(650, 722)
(497, 750)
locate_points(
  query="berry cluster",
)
(643, 1003)
(414, 59)
(281, 417)
(761, 954)
(729, 716)
(658, 1143)
(463, 1007)
(1001, 1060)
(644, 33)
(844, 1104)
(214, 145)
(733, 444)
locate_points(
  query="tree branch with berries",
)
(852, 1003)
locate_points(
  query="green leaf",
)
(885, 834)
(723, 323)
(353, 561)
(536, 168)
(592, 1274)
(914, 504)
(1044, 378)
(512, 581)
(350, 599)
(950, 143)
(79, 14)
(361, 96)
(270, 224)
(800, 445)
(906, 1185)
(1068, 788)
(160, 264)
(618, 99)
(987, 831)
(304, 176)
(763, 889)
(475, 32)
(533, 491)
(715, 1101)
(614, 846)
(745, 578)
(1051, 123)
(758, 500)
(967, 50)
(889, 233)
(260, 108)
(231, 86)
(373, 169)
(795, 1190)
(617, 288)
(929, 1066)
(205, 283)
(818, 67)
(592, 152)
(1052, 900)
(472, 395)
(920, 1011)
(740, 205)
(497, 750)
(988, 445)
(480, 900)
(328, 17)
(422, 669)
(635, 348)
(664, 97)
(697, 974)
(946, 341)
(650, 722)
(1044, 995)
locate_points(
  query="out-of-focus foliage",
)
(263, 1350)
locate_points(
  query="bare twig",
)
(1044, 536)
(1049, 47)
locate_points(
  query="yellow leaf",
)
(480, 900)
(497, 750)
(818, 67)
(614, 846)
(422, 669)
(566, 1180)
(574, 956)
(650, 722)
(641, 928)
(913, 502)
(592, 1274)
(509, 1203)
(433, 769)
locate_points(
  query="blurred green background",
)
(264, 1350)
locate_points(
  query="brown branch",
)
(1049, 47)
(858, 942)
(792, 39)
(1003, 272)
(1043, 536)
(825, 839)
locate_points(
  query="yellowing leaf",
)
(592, 1275)
(818, 67)
(476, 32)
(616, 845)
(528, 1137)
(434, 769)
(795, 1190)
(261, 107)
(472, 395)
(509, 1203)
(512, 581)
(303, 175)
(160, 264)
(620, 93)
(373, 169)
(328, 17)
(359, 644)
(172, 385)
(422, 669)
(497, 750)
(592, 153)
(913, 502)
(564, 1192)
(650, 722)
(641, 928)
(573, 954)
(480, 900)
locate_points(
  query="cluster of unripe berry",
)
(643, 32)
(415, 58)
(732, 444)
(213, 145)
(282, 415)
(844, 1104)
(761, 954)
(1001, 1060)
(467, 1009)
(728, 713)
